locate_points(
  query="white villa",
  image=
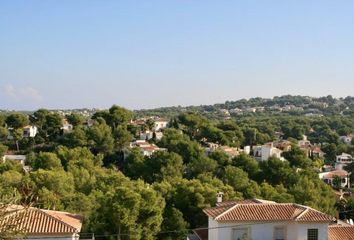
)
(160, 124)
(343, 160)
(30, 131)
(264, 152)
(329, 178)
(260, 219)
(146, 148)
(66, 126)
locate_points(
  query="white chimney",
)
(219, 197)
(247, 150)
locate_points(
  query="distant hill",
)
(287, 104)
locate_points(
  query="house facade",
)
(332, 177)
(146, 148)
(264, 152)
(343, 160)
(66, 126)
(30, 131)
(160, 124)
(259, 219)
(21, 159)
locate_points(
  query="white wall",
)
(322, 230)
(264, 231)
(160, 125)
(52, 237)
(266, 151)
(213, 232)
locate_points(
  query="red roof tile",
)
(259, 210)
(339, 173)
(338, 232)
(38, 221)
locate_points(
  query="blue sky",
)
(143, 54)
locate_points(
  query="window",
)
(240, 234)
(279, 233)
(312, 234)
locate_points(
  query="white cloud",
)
(22, 93)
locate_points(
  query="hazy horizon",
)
(168, 106)
(140, 55)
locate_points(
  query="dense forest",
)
(93, 171)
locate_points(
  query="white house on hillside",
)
(146, 148)
(264, 152)
(343, 160)
(17, 158)
(30, 131)
(304, 142)
(160, 124)
(330, 178)
(66, 126)
(259, 220)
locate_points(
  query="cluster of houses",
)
(265, 151)
(335, 176)
(85, 112)
(146, 133)
(228, 220)
(271, 149)
(30, 131)
(276, 108)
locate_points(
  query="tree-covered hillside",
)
(92, 168)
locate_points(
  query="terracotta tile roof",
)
(38, 221)
(73, 220)
(338, 232)
(216, 211)
(259, 210)
(339, 173)
(316, 149)
(161, 120)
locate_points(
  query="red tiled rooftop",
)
(38, 221)
(338, 232)
(258, 210)
(339, 173)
